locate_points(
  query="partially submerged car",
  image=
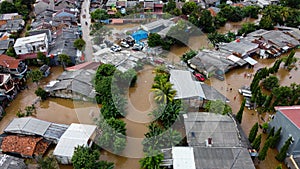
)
(137, 47)
(116, 48)
(199, 76)
(124, 44)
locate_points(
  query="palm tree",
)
(171, 138)
(163, 91)
(152, 160)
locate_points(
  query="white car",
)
(124, 44)
(116, 48)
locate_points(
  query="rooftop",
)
(221, 129)
(11, 162)
(26, 146)
(221, 157)
(9, 62)
(85, 66)
(183, 158)
(184, 85)
(30, 39)
(291, 112)
(33, 126)
(76, 134)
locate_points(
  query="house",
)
(64, 44)
(85, 66)
(157, 25)
(72, 5)
(196, 93)
(9, 16)
(5, 45)
(34, 127)
(7, 86)
(288, 117)
(28, 47)
(158, 8)
(64, 13)
(4, 101)
(76, 135)
(42, 5)
(11, 162)
(73, 85)
(13, 26)
(210, 61)
(41, 31)
(11, 65)
(241, 47)
(24, 146)
(215, 136)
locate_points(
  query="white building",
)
(183, 158)
(76, 135)
(28, 47)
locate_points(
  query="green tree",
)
(11, 52)
(79, 44)
(271, 82)
(282, 153)
(247, 28)
(253, 132)
(206, 22)
(271, 133)
(266, 23)
(40, 92)
(48, 162)
(85, 157)
(35, 76)
(239, 114)
(189, 7)
(152, 160)
(279, 166)
(251, 11)
(263, 153)
(188, 55)
(276, 138)
(42, 57)
(64, 59)
(99, 14)
(154, 39)
(218, 107)
(256, 142)
(7, 7)
(170, 6)
(163, 91)
(289, 59)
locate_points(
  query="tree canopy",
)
(99, 14)
(85, 157)
(79, 44)
(218, 107)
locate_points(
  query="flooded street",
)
(140, 101)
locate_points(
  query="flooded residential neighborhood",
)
(65, 84)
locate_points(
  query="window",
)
(20, 51)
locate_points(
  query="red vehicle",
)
(199, 77)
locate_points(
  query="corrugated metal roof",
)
(184, 85)
(75, 135)
(183, 158)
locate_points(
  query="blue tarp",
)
(140, 34)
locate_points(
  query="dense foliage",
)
(218, 107)
(239, 115)
(263, 153)
(271, 82)
(275, 140)
(79, 44)
(41, 93)
(282, 153)
(188, 55)
(253, 132)
(99, 14)
(85, 157)
(35, 76)
(256, 142)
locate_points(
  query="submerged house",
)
(11, 65)
(7, 86)
(11, 162)
(156, 26)
(76, 135)
(215, 136)
(195, 92)
(73, 85)
(34, 127)
(24, 146)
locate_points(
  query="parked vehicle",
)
(130, 41)
(137, 47)
(124, 44)
(199, 76)
(116, 48)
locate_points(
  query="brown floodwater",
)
(141, 103)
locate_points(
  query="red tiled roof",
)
(291, 112)
(84, 66)
(212, 12)
(24, 145)
(10, 62)
(117, 21)
(28, 56)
